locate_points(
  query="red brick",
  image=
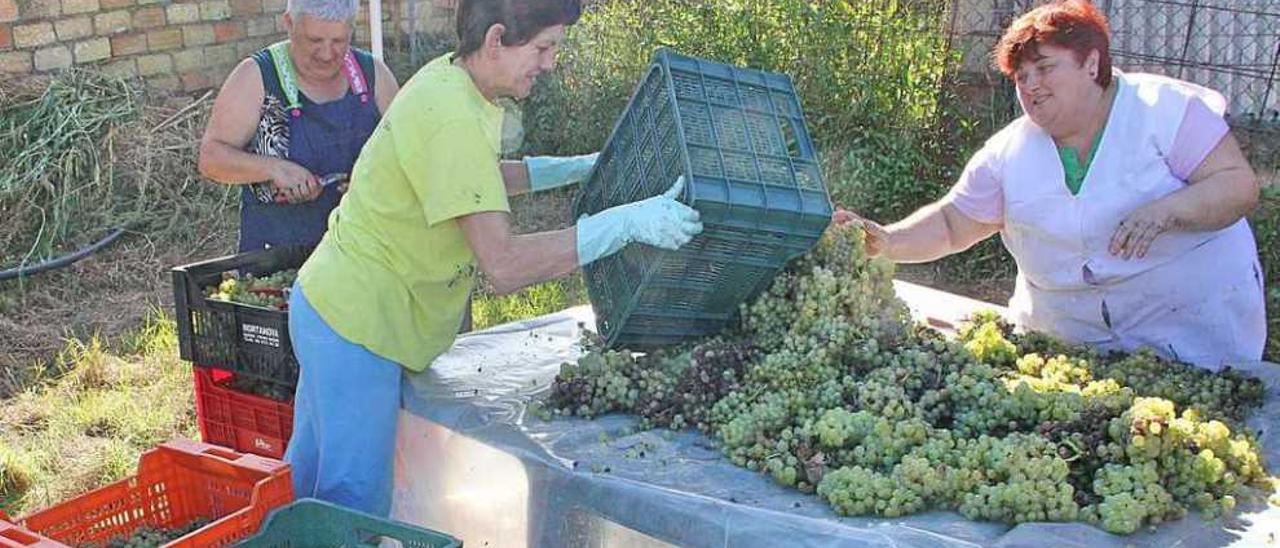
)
(73, 28)
(126, 68)
(228, 31)
(53, 58)
(6, 37)
(245, 48)
(195, 81)
(262, 26)
(8, 10)
(34, 35)
(242, 7)
(113, 22)
(165, 83)
(220, 55)
(79, 6)
(150, 17)
(215, 10)
(220, 72)
(164, 39)
(128, 44)
(197, 35)
(183, 13)
(93, 50)
(15, 62)
(40, 9)
(151, 65)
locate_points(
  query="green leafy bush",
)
(860, 67)
(873, 78)
(1265, 222)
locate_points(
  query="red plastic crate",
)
(244, 422)
(177, 483)
(13, 536)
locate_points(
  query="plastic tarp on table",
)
(473, 463)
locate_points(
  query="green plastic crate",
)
(313, 523)
(738, 136)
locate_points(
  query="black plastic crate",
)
(248, 340)
(739, 138)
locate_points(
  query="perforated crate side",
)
(739, 138)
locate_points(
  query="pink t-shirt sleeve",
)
(979, 194)
(1201, 130)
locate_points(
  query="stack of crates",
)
(178, 483)
(240, 420)
(225, 340)
(738, 136)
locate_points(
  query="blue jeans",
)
(344, 417)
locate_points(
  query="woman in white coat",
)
(1120, 196)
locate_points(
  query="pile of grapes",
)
(260, 387)
(829, 387)
(266, 292)
(154, 537)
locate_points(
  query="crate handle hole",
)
(19, 536)
(222, 453)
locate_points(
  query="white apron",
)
(1196, 296)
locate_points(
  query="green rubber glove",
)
(660, 221)
(546, 172)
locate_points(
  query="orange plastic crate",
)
(13, 536)
(244, 422)
(178, 482)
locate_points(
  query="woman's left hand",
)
(1136, 232)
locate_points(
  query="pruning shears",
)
(327, 180)
(335, 178)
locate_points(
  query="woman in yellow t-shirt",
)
(386, 288)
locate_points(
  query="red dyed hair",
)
(1076, 25)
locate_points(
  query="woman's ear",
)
(493, 38)
(1092, 61)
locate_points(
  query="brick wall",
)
(177, 45)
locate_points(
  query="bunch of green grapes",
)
(1226, 395)
(153, 537)
(827, 386)
(597, 383)
(261, 388)
(270, 291)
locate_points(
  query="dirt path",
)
(995, 291)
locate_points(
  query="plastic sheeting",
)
(471, 462)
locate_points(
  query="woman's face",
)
(1055, 89)
(318, 45)
(522, 64)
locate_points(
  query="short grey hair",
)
(329, 10)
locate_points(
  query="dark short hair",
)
(523, 20)
(1076, 25)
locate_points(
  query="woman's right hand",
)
(293, 184)
(877, 238)
(661, 221)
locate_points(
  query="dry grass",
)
(176, 218)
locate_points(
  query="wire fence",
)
(1232, 46)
